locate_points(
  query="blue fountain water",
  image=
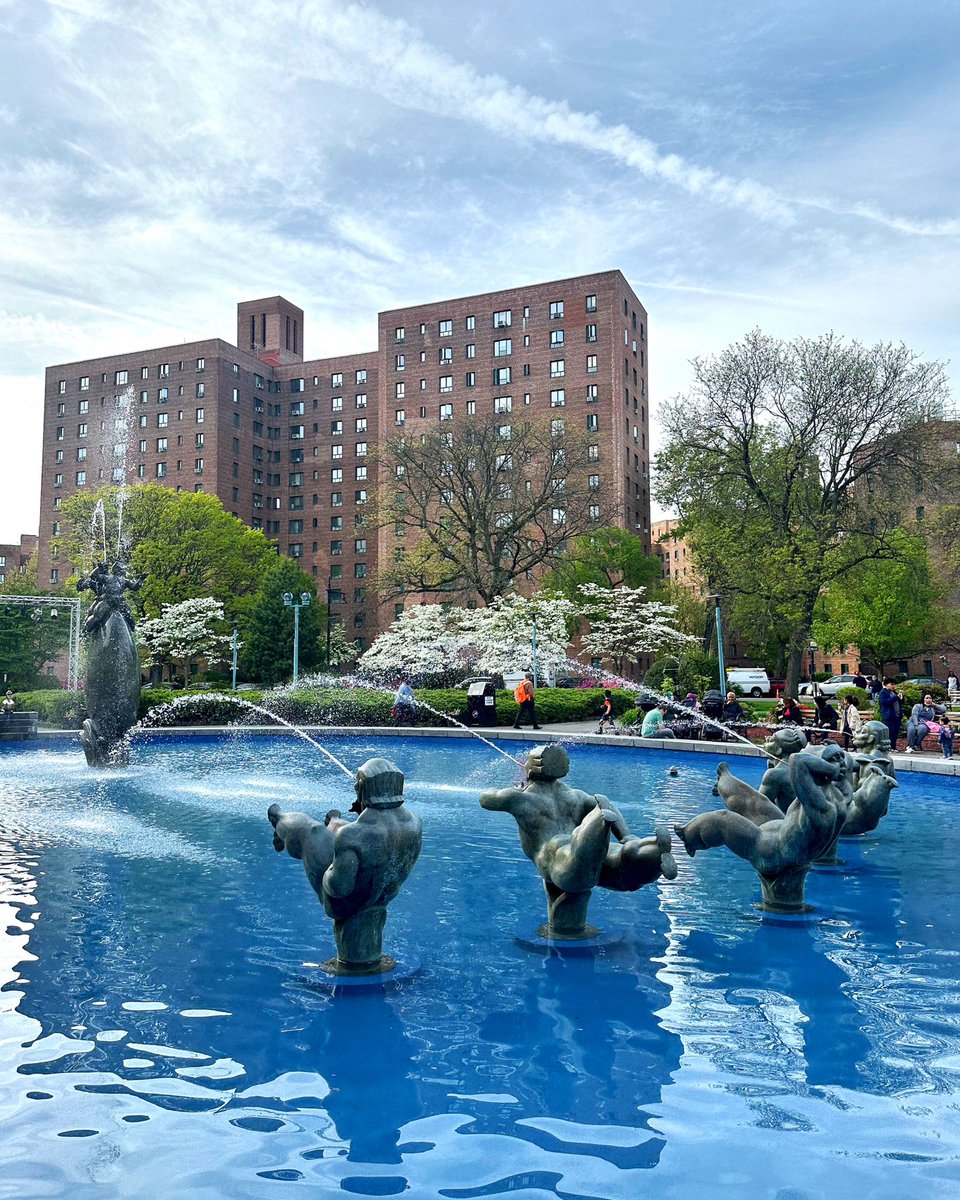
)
(162, 1037)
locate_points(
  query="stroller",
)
(712, 707)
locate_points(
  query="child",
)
(945, 737)
(606, 715)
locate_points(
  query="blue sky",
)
(774, 164)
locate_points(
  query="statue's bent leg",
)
(574, 865)
(638, 861)
(726, 828)
(566, 912)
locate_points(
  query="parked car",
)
(829, 687)
(924, 681)
(752, 681)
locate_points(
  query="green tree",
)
(888, 610)
(267, 655)
(786, 462)
(609, 557)
(184, 545)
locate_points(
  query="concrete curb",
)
(914, 763)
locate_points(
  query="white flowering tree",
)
(193, 629)
(504, 633)
(624, 626)
(426, 639)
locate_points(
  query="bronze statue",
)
(356, 867)
(566, 833)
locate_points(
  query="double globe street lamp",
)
(304, 602)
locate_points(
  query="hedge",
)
(322, 706)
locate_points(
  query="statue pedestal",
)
(784, 893)
(544, 942)
(319, 976)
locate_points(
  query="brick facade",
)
(287, 443)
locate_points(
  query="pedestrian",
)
(945, 737)
(404, 704)
(850, 720)
(825, 717)
(654, 724)
(923, 720)
(874, 688)
(891, 710)
(952, 686)
(524, 695)
(858, 679)
(691, 702)
(733, 710)
(606, 712)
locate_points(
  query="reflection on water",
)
(161, 1032)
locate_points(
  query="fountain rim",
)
(677, 746)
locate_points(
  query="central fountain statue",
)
(356, 867)
(112, 681)
(566, 834)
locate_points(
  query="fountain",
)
(566, 834)
(356, 868)
(162, 1037)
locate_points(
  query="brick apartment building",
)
(14, 557)
(676, 561)
(287, 443)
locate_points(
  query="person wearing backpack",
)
(606, 713)
(524, 695)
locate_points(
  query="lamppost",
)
(813, 665)
(723, 674)
(533, 649)
(290, 603)
(233, 645)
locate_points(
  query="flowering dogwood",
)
(504, 632)
(426, 639)
(624, 626)
(184, 632)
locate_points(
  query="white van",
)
(754, 681)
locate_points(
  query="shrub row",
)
(321, 706)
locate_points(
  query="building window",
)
(445, 355)
(557, 369)
(593, 422)
(591, 304)
(58, 457)
(361, 400)
(593, 393)
(559, 515)
(336, 475)
(361, 376)
(593, 453)
(503, 404)
(360, 425)
(556, 337)
(591, 364)
(84, 383)
(336, 546)
(161, 470)
(591, 333)
(336, 379)
(201, 390)
(501, 376)
(201, 364)
(502, 347)
(594, 512)
(199, 441)
(446, 383)
(399, 334)
(162, 394)
(558, 398)
(400, 417)
(361, 449)
(400, 390)
(359, 570)
(120, 377)
(81, 478)
(360, 545)
(446, 412)
(445, 328)
(336, 404)
(361, 473)
(161, 445)
(162, 420)
(556, 310)
(502, 319)
(336, 450)
(557, 429)
(471, 350)
(60, 433)
(400, 362)
(198, 466)
(471, 379)
(296, 385)
(593, 483)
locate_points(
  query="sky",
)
(782, 165)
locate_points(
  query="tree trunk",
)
(794, 665)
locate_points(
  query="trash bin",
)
(482, 703)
